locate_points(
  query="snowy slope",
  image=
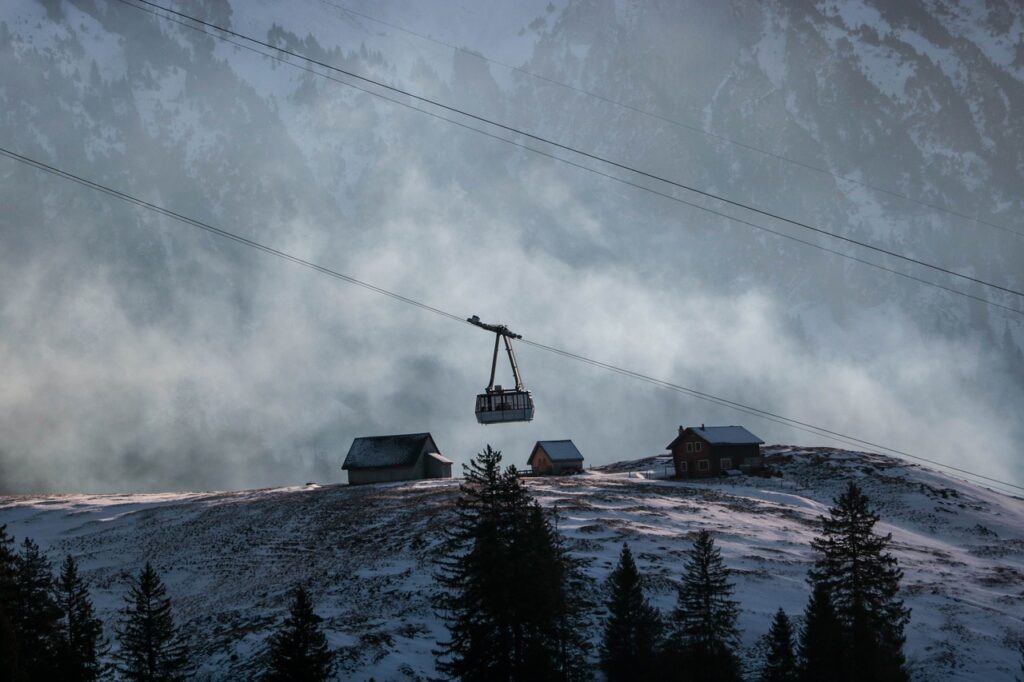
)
(368, 552)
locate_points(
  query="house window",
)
(682, 467)
(698, 446)
(704, 465)
(725, 463)
(689, 447)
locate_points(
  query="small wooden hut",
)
(555, 458)
(379, 459)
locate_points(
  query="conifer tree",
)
(632, 630)
(151, 647)
(511, 598)
(780, 661)
(546, 614)
(298, 651)
(863, 582)
(702, 641)
(473, 575)
(36, 614)
(81, 632)
(821, 649)
(9, 659)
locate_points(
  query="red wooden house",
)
(713, 450)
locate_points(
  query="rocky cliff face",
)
(102, 302)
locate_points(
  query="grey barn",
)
(379, 459)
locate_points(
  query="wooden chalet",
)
(714, 450)
(379, 459)
(555, 458)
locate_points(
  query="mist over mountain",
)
(138, 353)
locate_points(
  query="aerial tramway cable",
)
(595, 171)
(140, 4)
(747, 409)
(681, 124)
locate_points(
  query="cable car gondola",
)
(497, 404)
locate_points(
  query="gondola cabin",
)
(496, 404)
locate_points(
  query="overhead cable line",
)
(587, 155)
(678, 123)
(763, 414)
(123, 196)
(708, 397)
(521, 145)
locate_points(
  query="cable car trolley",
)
(497, 404)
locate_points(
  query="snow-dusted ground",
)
(368, 554)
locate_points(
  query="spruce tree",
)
(702, 641)
(9, 659)
(151, 647)
(863, 582)
(632, 630)
(36, 615)
(474, 579)
(821, 649)
(780, 661)
(512, 595)
(546, 614)
(298, 651)
(81, 632)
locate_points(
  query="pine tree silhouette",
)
(511, 596)
(780, 661)
(473, 575)
(632, 631)
(821, 649)
(9, 659)
(36, 615)
(298, 651)
(151, 647)
(81, 632)
(702, 641)
(548, 623)
(863, 582)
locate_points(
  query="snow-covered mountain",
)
(140, 354)
(368, 554)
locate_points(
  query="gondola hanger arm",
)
(498, 329)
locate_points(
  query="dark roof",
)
(387, 451)
(721, 435)
(558, 451)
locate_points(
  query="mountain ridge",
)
(368, 554)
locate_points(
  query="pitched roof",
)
(721, 435)
(386, 451)
(558, 451)
(437, 456)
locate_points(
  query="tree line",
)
(49, 629)
(516, 604)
